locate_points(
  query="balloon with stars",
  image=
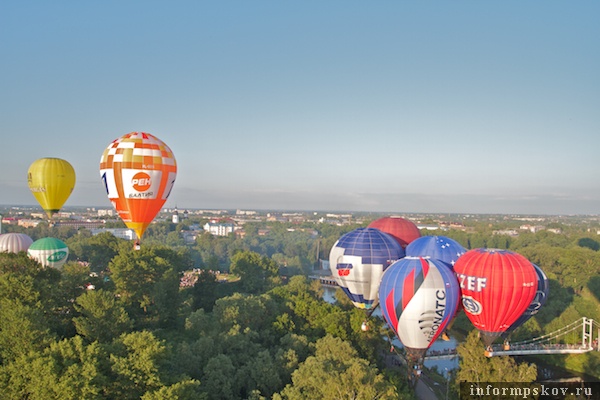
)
(437, 247)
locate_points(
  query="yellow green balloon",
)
(51, 180)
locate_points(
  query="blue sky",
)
(392, 106)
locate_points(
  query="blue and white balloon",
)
(438, 247)
(357, 261)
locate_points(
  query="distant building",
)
(29, 223)
(243, 212)
(81, 224)
(507, 232)
(10, 221)
(532, 228)
(219, 228)
(106, 213)
(190, 237)
(429, 227)
(121, 233)
(323, 265)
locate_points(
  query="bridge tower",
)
(586, 336)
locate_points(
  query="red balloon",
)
(403, 230)
(497, 287)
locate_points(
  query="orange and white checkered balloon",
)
(138, 171)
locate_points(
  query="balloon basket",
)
(415, 369)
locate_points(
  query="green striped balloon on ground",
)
(50, 252)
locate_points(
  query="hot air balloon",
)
(439, 247)
(541, 295)
(403, 230)
(51, 180)
(357, 261)
(14, 242)
(49, 252)
(138, 171)
(418, 298)
(497, 287)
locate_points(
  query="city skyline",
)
(392, 107)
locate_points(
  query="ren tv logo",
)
(141, 183)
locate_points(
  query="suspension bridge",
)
(550, 343)
(579, 334)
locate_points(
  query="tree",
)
(578, 264)
(136, 360)
(246, 312)
(335, 372)
(24, 280)
(23, 329)
(18, 263)
(475, 367)
(219, 382)
(68, 370)
(148, 280)
(253, 270)
(260, 375)
(98, 250)
(102, 317)
(184, 390)
(204, 291)
(189, 358)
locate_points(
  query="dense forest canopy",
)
(164, 323)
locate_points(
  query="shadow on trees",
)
(559, 299)
(594, 286)
(589, 243)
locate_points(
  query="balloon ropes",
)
(51, 181)
(497, 288)
(138, 171)
(357, 261)
(419, 297)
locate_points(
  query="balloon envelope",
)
(439, 247)
(50, 252)
(51, 181)
(541, 295)
(497, 287)
(357, 261)
(418, 298)
(403, 230)
(138, 171)
(14, 242)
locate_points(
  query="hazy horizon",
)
(67, 208)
